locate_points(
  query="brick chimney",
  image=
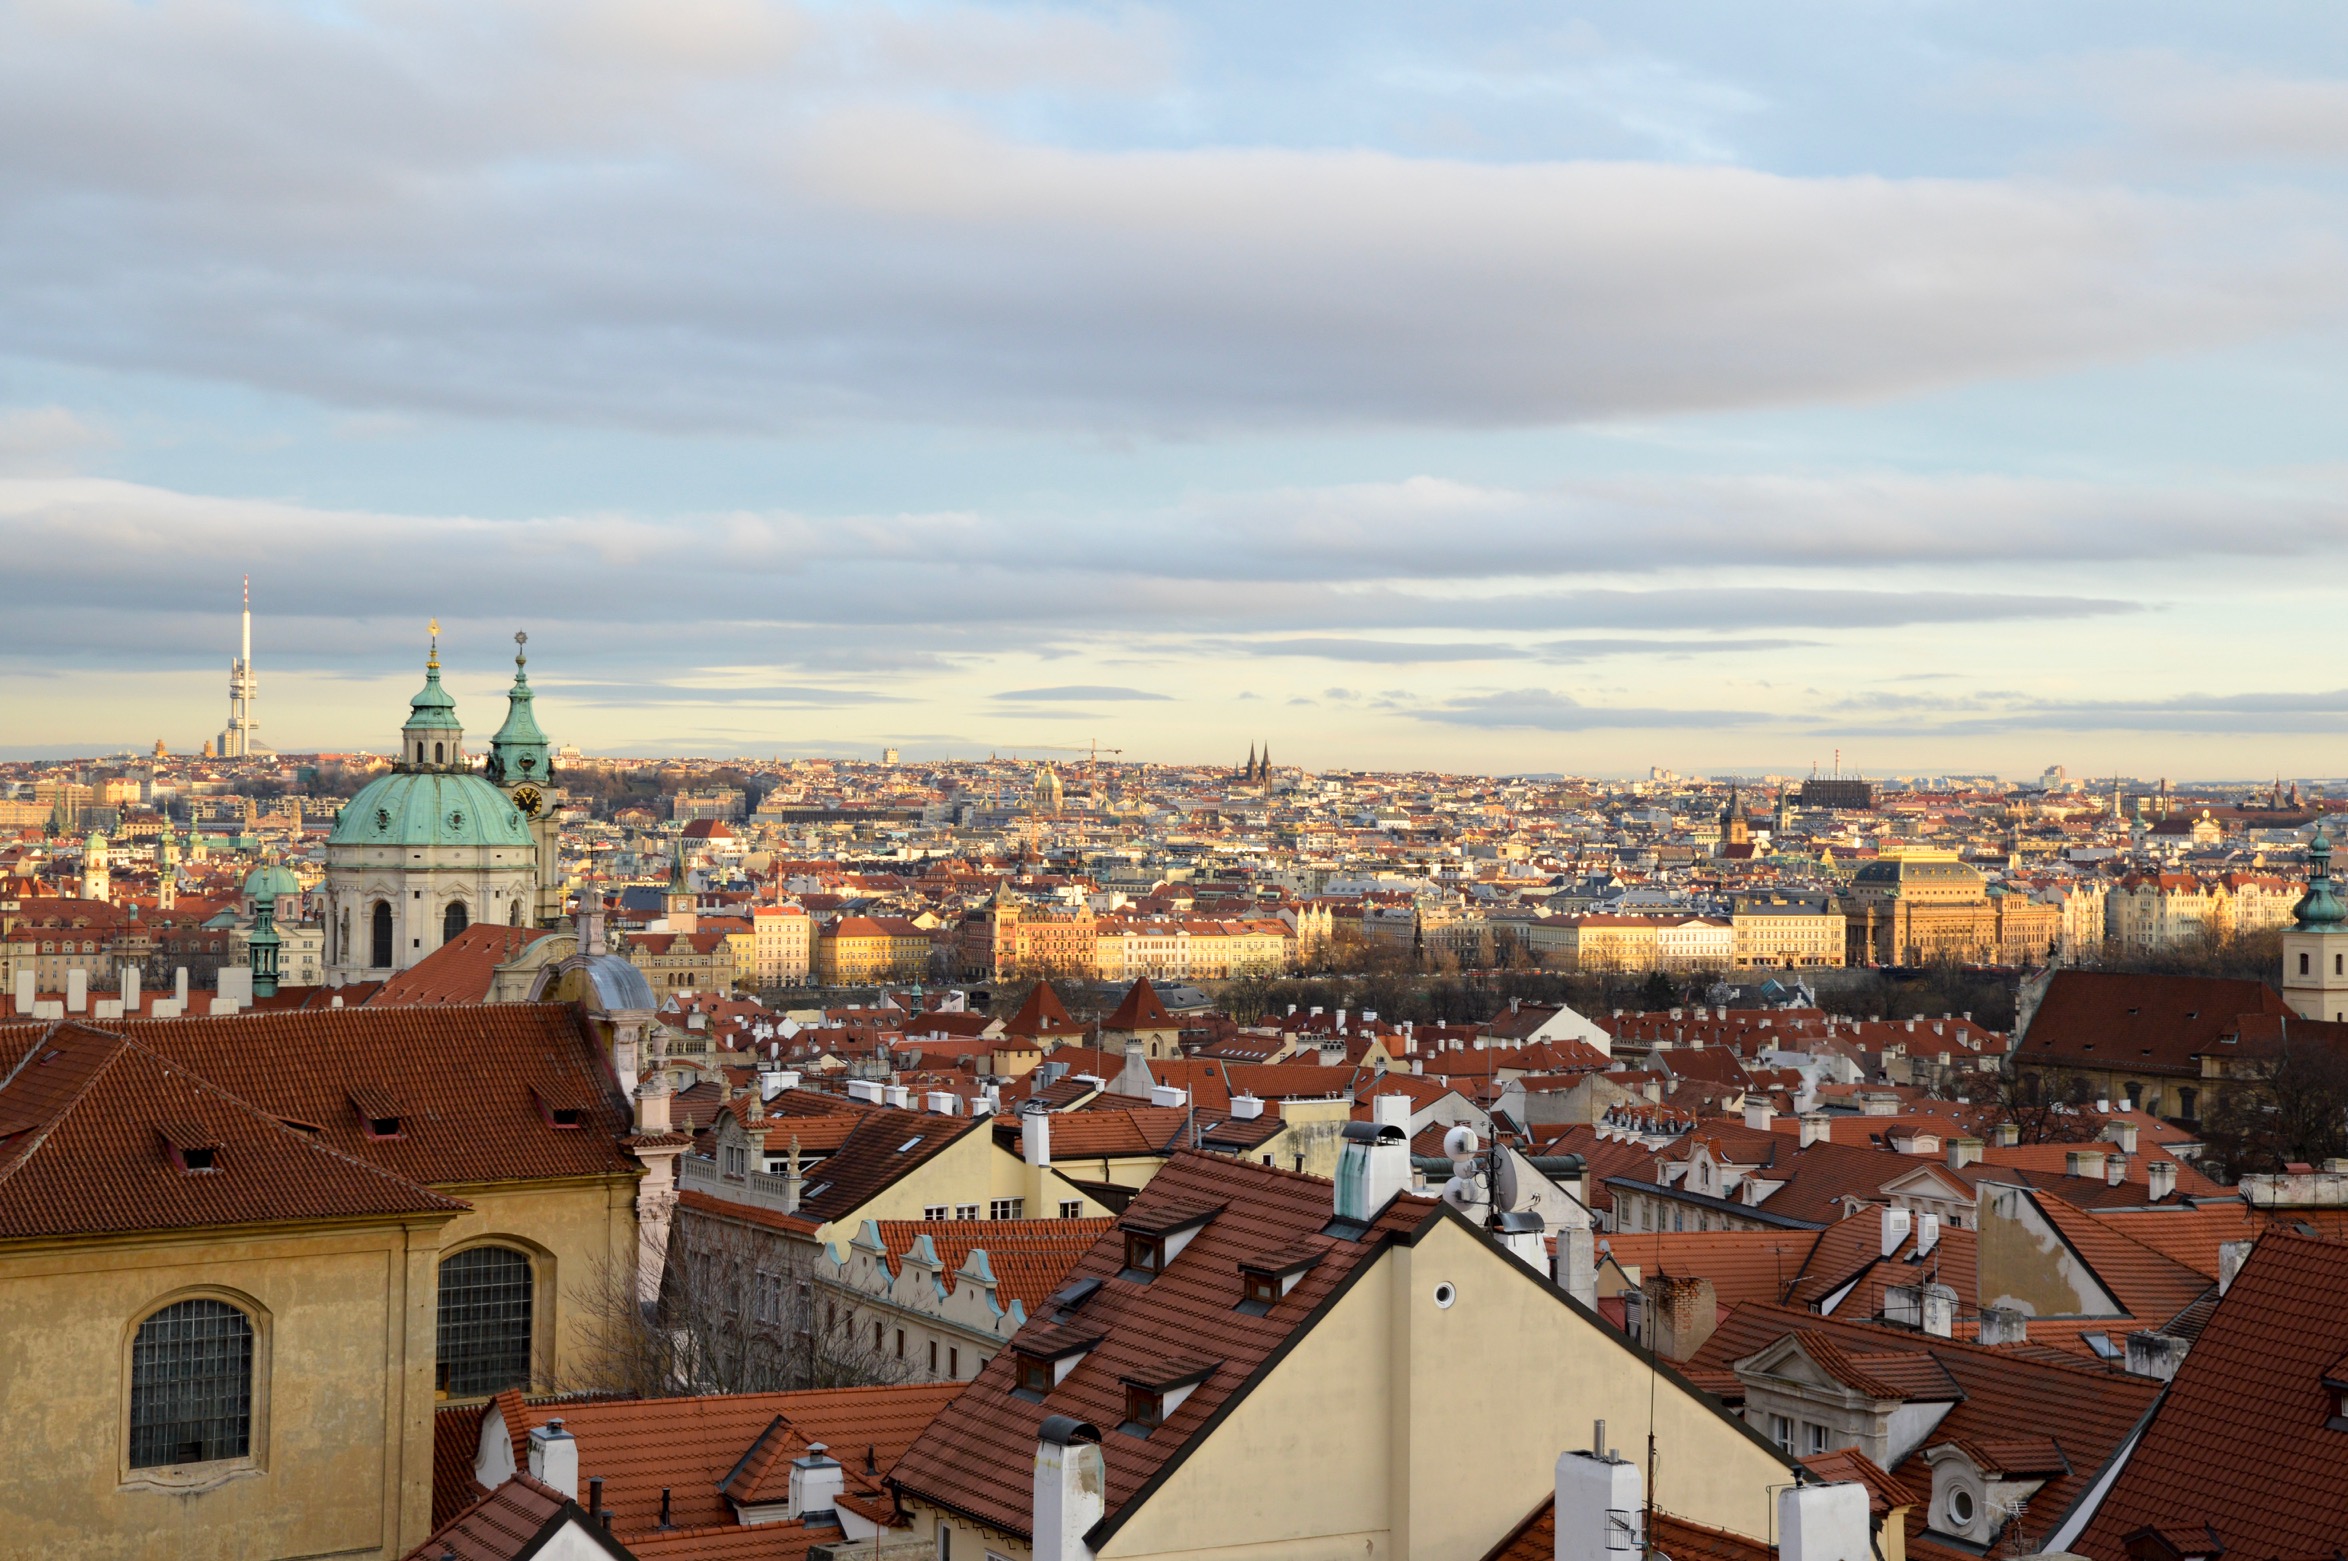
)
(1680, 1314)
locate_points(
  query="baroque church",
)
(427, 850)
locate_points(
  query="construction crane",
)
(1091, 750)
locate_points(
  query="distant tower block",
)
(241, 739)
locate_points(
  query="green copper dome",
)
(2319, 910)
(433, 709)
(269, 883)
(429, 808)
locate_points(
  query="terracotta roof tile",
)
(460, 970)
(506, 1524)
(1140, 1010)
(1029, 1258)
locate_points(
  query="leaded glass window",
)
(191, 1385)
(484, 1337)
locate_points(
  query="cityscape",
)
(1037, 780)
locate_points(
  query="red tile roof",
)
(468, 1082)
(1140, 1010)
(1029, 1258)
(509, 1524)
(1535, 1539)
(2243, 1441)
(99, 1135)
(460, 970)
(1042, 1016)
(2152, 1288)
(978, 1457)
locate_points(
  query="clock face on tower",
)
(527, 798)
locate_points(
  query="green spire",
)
(262, 948)
(520, 752)
(2319, 910)
(432, 714)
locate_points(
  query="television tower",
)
(241, 738)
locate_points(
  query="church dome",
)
(430, 808)
(270, 882)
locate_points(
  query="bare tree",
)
(738, 1312)
(2292, 1106)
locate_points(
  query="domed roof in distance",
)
(619, 984)
(271, 881)
(429, 808)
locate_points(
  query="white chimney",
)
(77, 990)
(179, 987)
(1167, 1095)
(1373, 1164)
(1035, 1137)
(652, 1108)
(2123, 1133)
(2115, 1169)
(898, 1096)
(1246, 1108)
(1390, 1111)
(815, 1480)
(1815, 1129)
(2002, 1325)
(944, 1102)
(1927, 1233)
(130, 989)
(1824, 1523)
(2231, 1256)
(554, 1458)
(26, 993)
(1601, 1508)
(1759, 1113)
(1071, 1489)
(2162, 1177)
(1895, 1230)
(865, 1090)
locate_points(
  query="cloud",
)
(763, 217)
(1544, 710)
(1076, 691)
(46, 438)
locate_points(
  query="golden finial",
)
(433, 661)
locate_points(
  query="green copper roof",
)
(2319, 910)
(271, 881)
(427, 808)
(519, 750)
(432, 710)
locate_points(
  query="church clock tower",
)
(521, 764)
(2315, 947)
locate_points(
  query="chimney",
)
(1895, 1230)
(1246, 1108)
(77, 990)
(652, 1108)
(1035, 1137)
(179, 987)
(2123, 1133)
(1168, 1095)
(130, 989)
(2115, 1169)
(815, 1480)
(1940, 1311)
(2231, 1256)
(2161, 1175)
(2103, 1103)
(1964, 1152)
(554, 1458)
(1373, 1163)
(2156, 1355)
(1681, 1314)
(1070, 1489)
(944, 1103)
(2083, 1162)
(1601, 1506)
(1927, 1234)
(2003, 1325)
(26, 993)
(1759, 1113)
(897, 1096)
(1824, 1523)
(1815, 1128)
(1391, 1111)
(2006, 1134)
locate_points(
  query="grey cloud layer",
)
(732, 214)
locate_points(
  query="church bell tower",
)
(521, 764)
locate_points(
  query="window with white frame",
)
(966, 1211)
(1071, 1208)
(1007, 1209)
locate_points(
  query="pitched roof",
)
(475, 1086)
(1029, 1258)
(1042, 1016)
(883, 1146)
(1140, 1010)
(2149, 1285)
(2087, 1409)
(2152, 1024)
(510, 1523)
(1535, 1539)
(460, 970)
(100, 1135)
(2244, 1439)
(1743, 1265)
(978, 1456)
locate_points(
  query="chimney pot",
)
(1824, 1523)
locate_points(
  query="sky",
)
(1476, 386)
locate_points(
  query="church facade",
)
(422, 853)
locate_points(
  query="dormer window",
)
(1035, 1376)
(1264, 1280)
(194, 1149)
(1044, 1360)
(1153, 1393)
(1154, 1238)
(1145, 1255)
(382, 1115)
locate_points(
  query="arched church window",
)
(382, 939)
(516, 918)
(453, 920)
(436, 752)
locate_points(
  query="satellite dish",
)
(1460, 1141)
(1460, 1193)
(1504, 1183)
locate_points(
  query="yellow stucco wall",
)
(581, 1235)
(342, 1432)
(972, 1169)
(1401, 1428)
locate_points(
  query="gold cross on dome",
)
(434, 627)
